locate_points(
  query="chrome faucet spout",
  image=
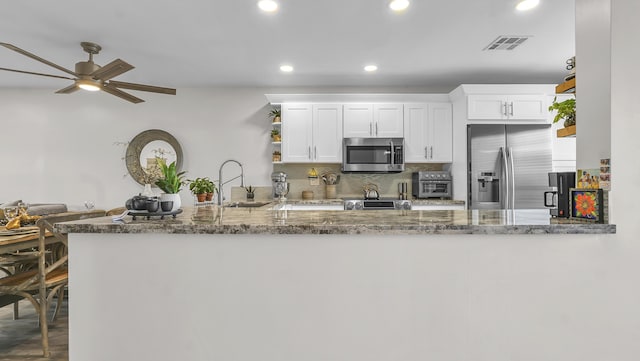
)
(221, 182)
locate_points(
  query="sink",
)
(246, 204)
(308, 207)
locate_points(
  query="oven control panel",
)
(376, 204)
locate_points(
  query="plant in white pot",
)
(171, 183)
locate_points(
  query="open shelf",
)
(568, 86)
(569, 131)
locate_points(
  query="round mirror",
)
(144, 151)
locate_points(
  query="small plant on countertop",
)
(198, 185)
(566, 110)
(250, 192)
(172, 180)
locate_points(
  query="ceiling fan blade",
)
(68, 90)
(35, 57)
(142, 87)
(33, 73)
(112, 70)
(119, 93)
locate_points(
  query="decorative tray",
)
(148, 214)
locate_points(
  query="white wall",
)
(61, 148)
(593, 82)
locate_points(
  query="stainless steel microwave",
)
(373, 155)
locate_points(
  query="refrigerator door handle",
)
(513, 179)
(506, 177)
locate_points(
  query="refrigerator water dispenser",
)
(488, 187)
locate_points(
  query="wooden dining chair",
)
(40, 285)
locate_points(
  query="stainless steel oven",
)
(373, 155)
(431, 184)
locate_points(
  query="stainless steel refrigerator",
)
(508, 166)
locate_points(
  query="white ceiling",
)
(202, 43)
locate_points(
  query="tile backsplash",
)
(351, 184)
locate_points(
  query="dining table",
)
(24, 238)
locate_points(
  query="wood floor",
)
(20, 339)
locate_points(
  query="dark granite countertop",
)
(212, 219)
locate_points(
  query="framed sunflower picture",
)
(587, 204)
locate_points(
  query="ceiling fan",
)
(93, 77)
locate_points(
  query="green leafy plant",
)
(566, 110)
(274, 113)
(211, 186)
(275, 132)
(172, 180)
(199, 185)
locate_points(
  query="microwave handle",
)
(393, 156)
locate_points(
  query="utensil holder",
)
(330, 191)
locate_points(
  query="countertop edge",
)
(139, 228)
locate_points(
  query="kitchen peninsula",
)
(275, 219)
(318, 285)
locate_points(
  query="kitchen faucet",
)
(220, 183)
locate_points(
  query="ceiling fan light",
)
(89, 85)
(527, 4)
(399, 5)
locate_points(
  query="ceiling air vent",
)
(506, 42)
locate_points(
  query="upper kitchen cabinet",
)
(373, 121)
(507, 107)
(311, 133)
(428, 133)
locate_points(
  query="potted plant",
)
(170, 183)
(211, 189)
(276, 156)
(274, 114)
(199, 187)
(566, 110)
(275, 135)
(250, 193)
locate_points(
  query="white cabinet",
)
(373, 121)
(507, 107)
(428, 133)
(387, 121)
(327, 133)
(358, 120)
(311, 133)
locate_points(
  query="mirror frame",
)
(138, 143)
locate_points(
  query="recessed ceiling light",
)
(370, 68)
(527, 4)
(286, 68)
(399, 5)
(268, 5)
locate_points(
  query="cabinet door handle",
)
(370, 128)
(431, 149)
(426, 152)
(376, 129)
(505, 109)
(309, 152)
(315, 153)
(511, 107)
